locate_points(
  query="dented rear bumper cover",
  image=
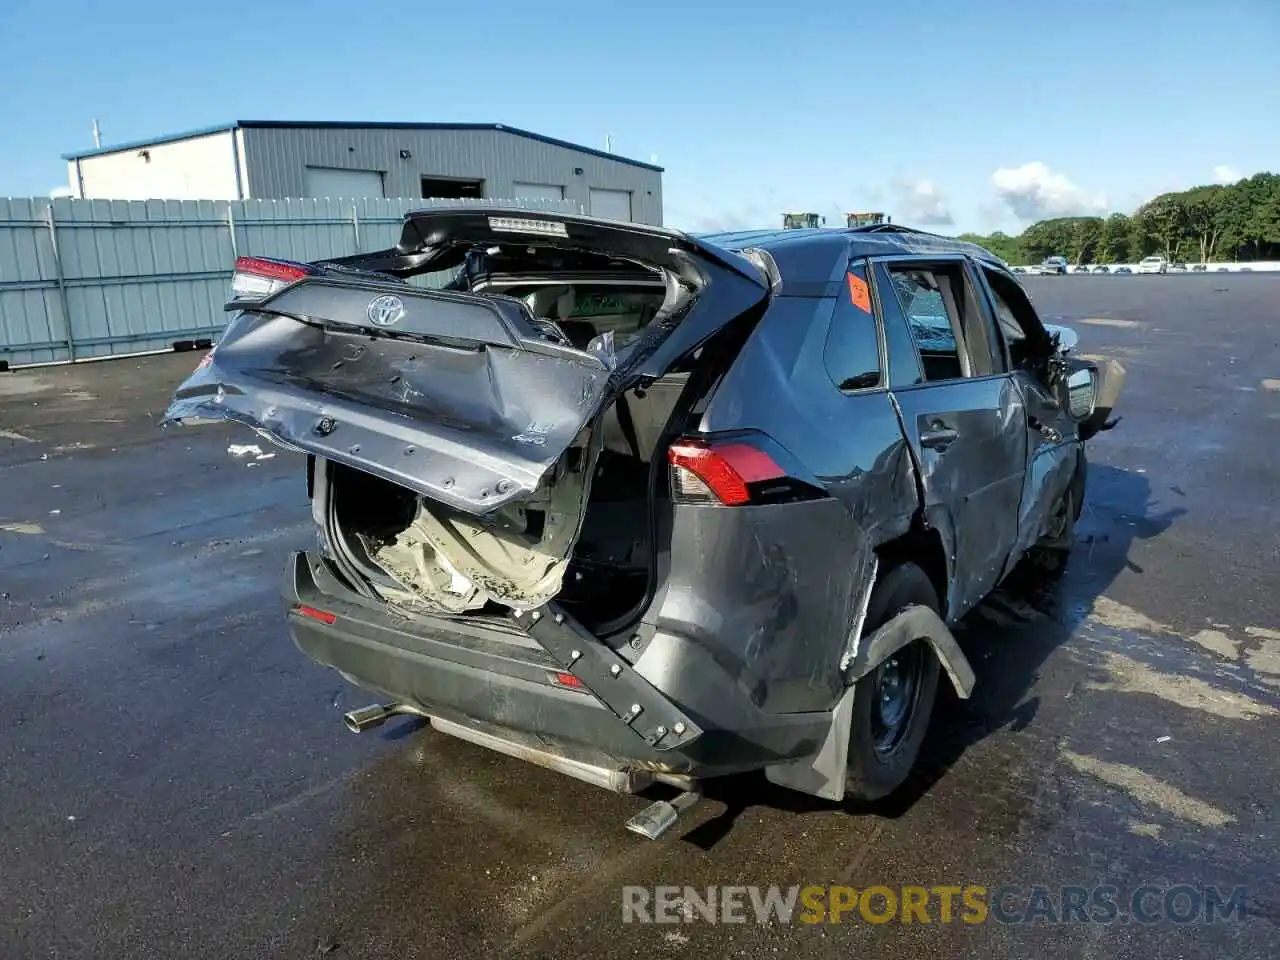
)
(504, 684)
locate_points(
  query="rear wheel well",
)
(923, 547)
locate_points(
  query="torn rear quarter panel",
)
(768, 594)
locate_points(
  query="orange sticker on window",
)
(859, 293)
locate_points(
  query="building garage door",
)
(611, 204)
(537, 191)
(335, 182)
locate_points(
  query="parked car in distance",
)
(571, 507)
(1080, 269)
(1122, 270)
(1177, 267)
(1054, 266)
(1101, 268)
(1153, 265)
(1019, 269)
(1199, 268)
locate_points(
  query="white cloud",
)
(747, 217)
(993, 216)
(1225, 173)
(1034, 192)
(60, 192)
(920, 201)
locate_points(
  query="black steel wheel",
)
(892, 704)
(897, 697)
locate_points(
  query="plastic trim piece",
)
(610, 678)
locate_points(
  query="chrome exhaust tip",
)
(366, 718)
(657, 818)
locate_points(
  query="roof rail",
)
(887, 228)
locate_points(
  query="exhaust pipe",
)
(374, 715)
(657, 818)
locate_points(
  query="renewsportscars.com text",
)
(943, 904)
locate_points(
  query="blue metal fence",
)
(93, 278)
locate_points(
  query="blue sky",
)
(958, 116)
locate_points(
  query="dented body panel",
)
(743, 590)
(969, 440)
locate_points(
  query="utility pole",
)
(97, 135)
(608, 143)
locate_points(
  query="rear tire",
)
(892, 704)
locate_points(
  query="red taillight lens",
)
(313, 613)
(721, 471)
(258, 277)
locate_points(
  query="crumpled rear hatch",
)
(464, 402)
(464, 398)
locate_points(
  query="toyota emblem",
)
(385, 311)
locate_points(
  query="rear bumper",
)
(497, 680)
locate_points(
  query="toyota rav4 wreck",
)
(640, 506)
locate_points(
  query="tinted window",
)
(923, 296)
(1013, 314)
(852, 353)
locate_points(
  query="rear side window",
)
(923, 296)
(852, 352)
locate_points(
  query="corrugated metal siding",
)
(90, 278)
(202, 168)
(276, 158)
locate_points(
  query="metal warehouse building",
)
(256, 159)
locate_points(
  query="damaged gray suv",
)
(640, 506)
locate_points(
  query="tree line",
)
(1240, 221)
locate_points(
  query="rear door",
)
(963, 416)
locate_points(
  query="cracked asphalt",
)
(175, 780)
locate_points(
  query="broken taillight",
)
(257, 278)
(727, 473)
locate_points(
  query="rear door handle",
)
(939, 438)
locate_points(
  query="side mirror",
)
(1067, 338)
(1081, 393)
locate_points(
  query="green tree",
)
(1246, 217)
(1163, 220)
(1263, 222)
(1206, 219)
(1238, 221)
(1117, 239)
(1005, 247)
(1086, 237)
(1049, 238)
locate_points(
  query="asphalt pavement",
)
(175, 779)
